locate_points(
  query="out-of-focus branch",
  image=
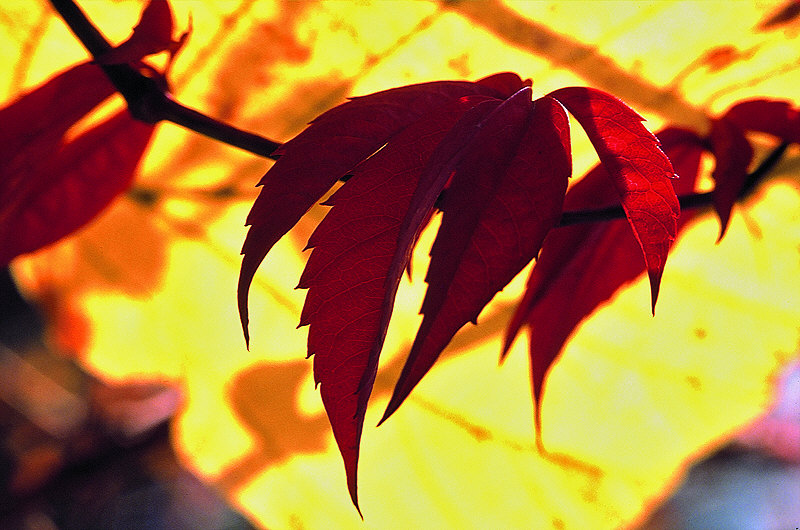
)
(583, 59)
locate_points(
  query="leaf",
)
(360, 251)
(505, 196)
(639, 169)
(73, 186)
(333, 144)
(153, 34)
(504, 168)
(583, 265)
(34, 127)
(52, 108)
(733, 155)
(504, 83)
(775, 117)
(34, 124)
(733, 152)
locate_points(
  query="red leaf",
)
(505, 84)
(332, 145)
(360, 251)
(774, 117)
(582, 265)
(505, 195)
(33, 125)
(52, 108)
(153, 34)
(639, 169)
(73, 186)
(506, 162)
(733, 155)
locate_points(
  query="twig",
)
(146, 100)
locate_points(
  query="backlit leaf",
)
(153, 34)
(73, 186)
(50, 109)
(332, 145)
(33, 125)
(635, 398)
(581, 266)
(360, 251)
(638, 168)
(776, 117)
(504, 198)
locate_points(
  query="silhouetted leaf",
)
(34, 125)
(360, 251)
(153, 34)
(775, 117)
(733, 155)
(503, 167)
(77, 182)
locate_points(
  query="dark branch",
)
(147, 100)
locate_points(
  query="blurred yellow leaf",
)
(630, 402)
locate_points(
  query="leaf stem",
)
(694, 200)
(147, 100)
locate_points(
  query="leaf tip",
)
(398, 396)
(537, 426)
(388, 412)
(655, 284)
(245, 320)
(540, 449)
(724, 220)
(243, 291)
(504, 351)
(354, 498)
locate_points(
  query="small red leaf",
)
(639, 169)
(332, 145)
(73, 186)
(733, 155)
(778, 118)
(581, 266)
(360, 251)
(153, 34)
(505, 196)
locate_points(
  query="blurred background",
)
(128, 398)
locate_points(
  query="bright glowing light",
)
(632, 398)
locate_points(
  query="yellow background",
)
(147, 291)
